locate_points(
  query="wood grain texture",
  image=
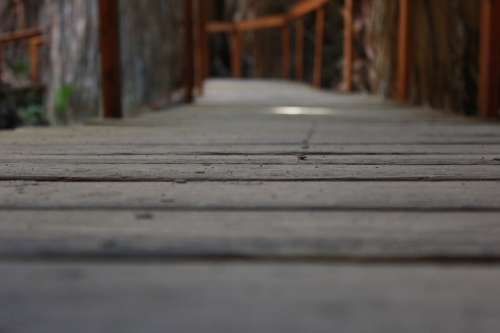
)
(44, 298)
(265, 207)
(299, 235)
(258, 195)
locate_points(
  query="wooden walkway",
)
(267, 207)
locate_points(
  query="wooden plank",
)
(438, 237)
(258, 195)
(148, 297)
(299, 49)
(228, 160)
(243, 149)
(245, 172)
(403, 70)
(189, 61)
(109, 42)
(489, 84)
(348, 13)
(319, 47)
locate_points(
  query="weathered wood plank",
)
(439, 237)
(209, 160)
(167, 172)
(83, 297)
(247, 149)
(464, 196)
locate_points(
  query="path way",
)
(246, 213)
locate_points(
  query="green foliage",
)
(32, 115)
(20, 67)
(62, 101)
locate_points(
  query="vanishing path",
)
(267, 207)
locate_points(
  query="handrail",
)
(266, 22)
(15, 36)
(297, 12)
(306, 7)
(35, 37)
(303, 8)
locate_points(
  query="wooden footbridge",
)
(264, 206)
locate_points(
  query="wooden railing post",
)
(286, 50)
(489, 82)
(35, 45)
(403, 67)
(236, 52)
(299, 49)
(319, 45)
(201, 45)
(109, 33)
(347, 84)
(189, 80)
(1, 62)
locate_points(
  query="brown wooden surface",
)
(35, 45)
(319, 41)
(306, 7)
(19, 35)
(236, 53)
(348, 14)
(266, 22)
(403, 51)
(217, 27)
(109, 39)
(489, 81)
(189, 61)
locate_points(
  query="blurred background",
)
(54, 77)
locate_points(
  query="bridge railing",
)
(294, 16)
(35, 40)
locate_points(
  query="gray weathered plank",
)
(443, 236)
(302, 159)
(47, 298)
(482, 195)
(155, 172)
(247, 149)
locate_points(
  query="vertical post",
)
(188, 51)
(35, 44)
(403, 69)
(285, 33)
(489, 82)
(1, 61)
(236, 46)
(204, 39)
(109, 40)
(299, 49)
(348, 45)
(319, 44)
(201, 45)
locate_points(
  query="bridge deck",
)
(266, 207)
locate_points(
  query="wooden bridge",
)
(263, 206)
(286, 209)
